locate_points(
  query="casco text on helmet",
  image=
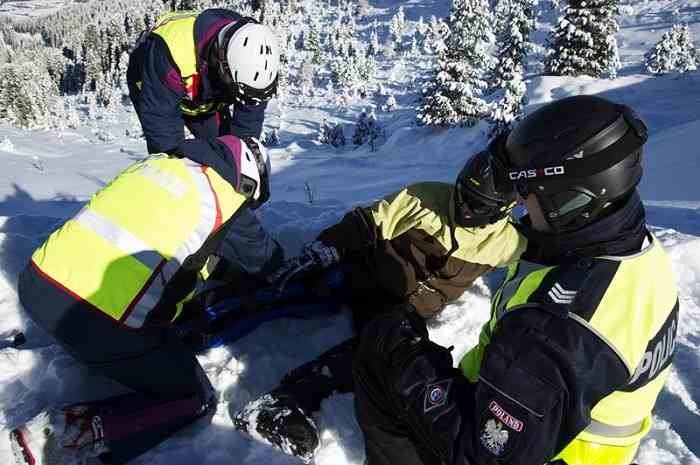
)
(578, 156)
(252, 58)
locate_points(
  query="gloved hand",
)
(313, 256)
(322, 254)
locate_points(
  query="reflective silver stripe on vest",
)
(509, 289)
(172, 184)
(207, 222)
(611, 431)
(119, 237)
(601, 336)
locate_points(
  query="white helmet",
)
(254, 181)
(251, 60)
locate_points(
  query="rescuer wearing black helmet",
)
(559, 375)
(578, 166)
(419, 249)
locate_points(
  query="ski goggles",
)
(482, 188)
(468, 200)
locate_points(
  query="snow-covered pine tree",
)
(373, 47)
(313, 43)
(306, 77)
(26, 92)
(362, 8)
(390, 103)
(583, 41)
(324, 132)
(454, 96)
(272, 139)
(435, 36)
(374, 131)
(515, 20)
(413, 51)
(366, 67)
(397, 27)
(422, 27)
(675, 52)
(361, 129)
(73, 117)
(121, 73)
(337, 137)
(344, 73)
(278, 21)
(299, 42)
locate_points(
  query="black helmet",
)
(483, 194)
(578, 155)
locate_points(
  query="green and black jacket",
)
(409, 245)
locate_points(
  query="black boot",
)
(279, 421)
(316, 380)
(283, 417)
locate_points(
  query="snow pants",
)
(169, 387)
(331, 372)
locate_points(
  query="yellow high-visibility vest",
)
(643, 289)
(121, 250)
(177, 31)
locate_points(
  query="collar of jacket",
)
(620, 233)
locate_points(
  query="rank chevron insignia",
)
(560, 295)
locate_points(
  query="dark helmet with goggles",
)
(578, 156)
(483, 194)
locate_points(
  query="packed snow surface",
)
(47, 177)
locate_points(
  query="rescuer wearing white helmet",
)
(189, 70)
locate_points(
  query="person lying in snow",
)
(419, 249)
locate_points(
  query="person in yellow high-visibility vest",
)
(187, 70)
(108, 285)
(582, 330)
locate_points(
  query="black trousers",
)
(390, 435)
(169, 387)
(388, 440)
(366, 302)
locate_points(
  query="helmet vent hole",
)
(268, 50)
(265, 65)
(245, 42)
(257, 73)
(262, 50)
(235, 76)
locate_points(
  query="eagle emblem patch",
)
(494, 437)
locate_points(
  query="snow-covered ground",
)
(46, 178)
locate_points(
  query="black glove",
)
(394, 333)
(314, 256)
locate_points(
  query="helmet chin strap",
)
(222, 34)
